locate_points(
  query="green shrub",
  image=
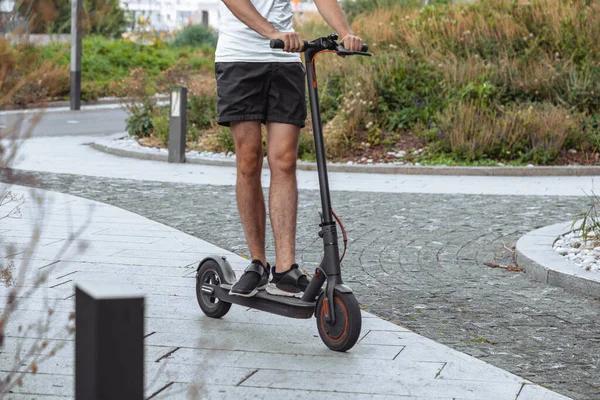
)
(330, 96)
(160, 125)
(99, 17)
(104, 62)
(202, 111)
(196, 36)
(107, 60)
(306, 146)
(139, 122)
(408, 94)
(224, 139)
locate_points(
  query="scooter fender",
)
(228, 274)
(340, 287)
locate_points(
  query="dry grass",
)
(473, 131)
(467, 26)
(17, 87)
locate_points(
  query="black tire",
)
(210, 272)
(342, 335)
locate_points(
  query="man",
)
(257, 84)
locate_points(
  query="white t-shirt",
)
(240, 43)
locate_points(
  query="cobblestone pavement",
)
(417, 260)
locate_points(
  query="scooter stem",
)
(318, 135)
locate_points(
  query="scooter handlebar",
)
(279, 44)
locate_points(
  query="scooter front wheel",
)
(210, 273)
(343, 334)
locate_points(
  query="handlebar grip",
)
(277, 44)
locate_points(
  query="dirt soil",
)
(579, 158)
(369, 154)
(379, 154)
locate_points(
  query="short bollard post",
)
(109, 342)
(177, 125)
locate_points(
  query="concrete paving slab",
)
(355, 383)
(533, 392)
(248, 350)
(298, 362)
(237, 392)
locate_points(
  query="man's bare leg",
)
(250, 199)
(282, 153)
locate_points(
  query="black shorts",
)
(264, 91)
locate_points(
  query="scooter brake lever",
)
(344, 53)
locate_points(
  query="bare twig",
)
(513, 268)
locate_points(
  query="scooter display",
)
(327, 298)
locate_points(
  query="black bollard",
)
(109, 342)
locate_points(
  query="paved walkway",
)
(70, 155)
(425, 254)
(247, 353)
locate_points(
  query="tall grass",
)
(458, 74)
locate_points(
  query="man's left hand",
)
(352, 42)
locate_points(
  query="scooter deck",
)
(280, 305)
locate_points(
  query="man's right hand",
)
(293, 41)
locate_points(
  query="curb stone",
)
(105, 146)
(67, 103)
(542, 263)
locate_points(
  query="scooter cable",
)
(313, 64)
(345, 237)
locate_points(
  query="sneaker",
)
(291, 283)
(255, 278)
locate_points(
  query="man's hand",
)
(293, 41)
(352, 42)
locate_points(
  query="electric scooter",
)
(335, 307)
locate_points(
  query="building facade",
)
(168, 15)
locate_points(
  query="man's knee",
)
(248, 147)
(283, 163)
(249, 160)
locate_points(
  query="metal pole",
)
(177, 125)
(109, 342)
(76, 19)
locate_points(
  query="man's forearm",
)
(245, 11)
(332, 14)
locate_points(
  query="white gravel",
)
(585, 255)
(126, 142)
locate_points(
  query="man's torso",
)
(239, 43)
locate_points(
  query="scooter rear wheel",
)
(210, 273)
(344, 333)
